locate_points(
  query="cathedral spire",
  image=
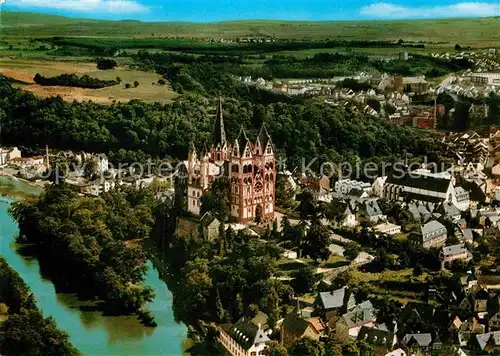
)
(264, 138)
(219, 132)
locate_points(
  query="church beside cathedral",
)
(248, 166)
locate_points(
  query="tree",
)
(285, 194)
(216, 200)
(304, 280)
(128, 86)
(105, 64)
(258, 214)
(462, 119)
(374, 104)
(161, 82)
(194, 294)
(351, 251)
(222, 240)
(308, 208)
(274, 348)
(136, 84)
(306, 346)
(229, 237)
(458, 47)
(118, 79)
(317, 241)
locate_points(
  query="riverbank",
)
(15, 188)
(90, 331)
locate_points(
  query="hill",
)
(24, 19)
(481, 32)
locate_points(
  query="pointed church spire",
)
(242, 140)
(219, 131)
(264, 137)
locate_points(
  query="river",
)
(91, 332)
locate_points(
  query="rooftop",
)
(432, 227)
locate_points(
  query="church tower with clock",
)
(249, 167)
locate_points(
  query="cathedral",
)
(248, 166)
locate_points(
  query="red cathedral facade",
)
(249, 167)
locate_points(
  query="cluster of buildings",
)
(248, 166)
(413, 330)
(26, 167)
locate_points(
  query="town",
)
(247, 188)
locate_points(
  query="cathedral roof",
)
(242, 140)
(264, 137)
(219, 132)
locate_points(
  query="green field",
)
(148, 89)
(482, 32)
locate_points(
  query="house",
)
(461, 199)
(349, 325)
(382, 340)
(210, 226)
(378, 186)
(419, 317)
(476, 300)
(8, 154)
(462, 224)
(449, 209)
(344, 186)
(494, 322)
(348, 219)
(468, 329)
(294, 328)
(455, 253)
(434, 234)
(414, 211)
(455, 325)
(100, 186)
(357, 194)
(417, 342)
(467, 282)
(488, 342)
(333, 304)
(397, 352)
(480, 298)
(102, 163)
(388, 229)
(410, 84)
(27, 162)
(419, 185)
(247, 337)
(373, 212)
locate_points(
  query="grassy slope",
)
(24, 71)
(478, 32)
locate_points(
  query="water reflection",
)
(90, 331)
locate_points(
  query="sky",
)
(219, 10)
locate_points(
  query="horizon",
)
(204, 11)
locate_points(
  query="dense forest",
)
(90, 245)
(72, 80)
(23, 329)
(320, 65)
(108, 46)
(136, 130)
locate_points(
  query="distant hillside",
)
(11, 18)
(478, 32)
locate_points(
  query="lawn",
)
(288, 266)
(148, 89)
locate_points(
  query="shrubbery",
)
(72, 80)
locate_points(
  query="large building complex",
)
(248, 166)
